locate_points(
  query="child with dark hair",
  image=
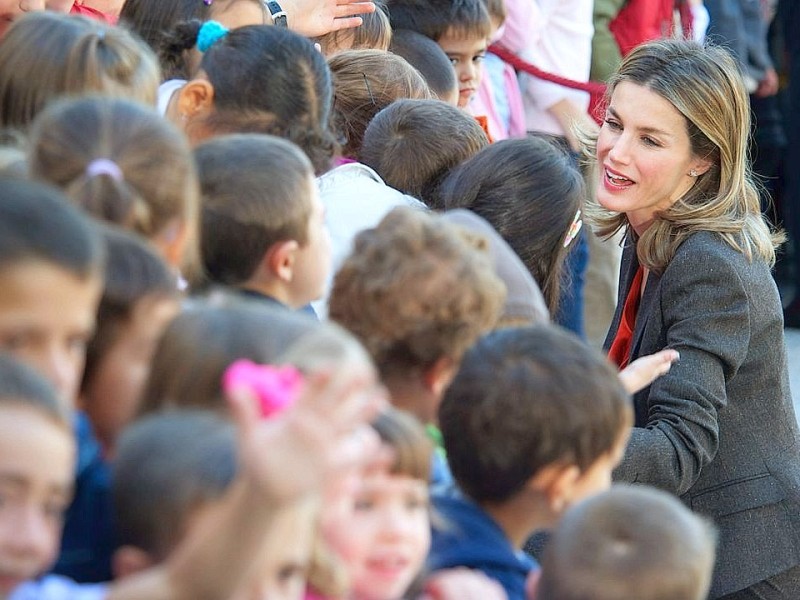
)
(254, 79)
(530, 192)
(122, 163)
(413, 145)
(263, 226)
(52, 256)
(630, 543)
(462, 29)
(429, 59)
(140, 297)
(533, 421)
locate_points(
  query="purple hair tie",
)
(104, 166)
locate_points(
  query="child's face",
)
(597, 478)
(37, 462)
(111, 398)
(47, 314)
(286, 555)
(313, 261)
(466, 53)
(382, 534)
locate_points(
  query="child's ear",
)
(555, 483)
(195, 97)
(280, 260)
(171, 242)
(130, 560)
(439, 375)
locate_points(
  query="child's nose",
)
(32, 536)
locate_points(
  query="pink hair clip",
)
(277, 388)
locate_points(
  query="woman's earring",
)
(693, 173)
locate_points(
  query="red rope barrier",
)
(593, 87)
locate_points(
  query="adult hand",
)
(313, 18)
(645, 370)
(768, 86)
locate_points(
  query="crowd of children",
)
(281, 312)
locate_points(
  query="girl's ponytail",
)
(174, 45)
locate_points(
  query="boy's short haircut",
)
(630, 543)
(415, 290)
(374, 33)
(21, 385)
(524, 399)
(256, 192)
(167, 465)
(413, 145)
(38, 223)
(435, 18)
(428, 58)
(133, 272)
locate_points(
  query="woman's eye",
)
(650, 141)
(612, 124)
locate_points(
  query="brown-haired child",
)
(413, 145)
(263, 229)
(533, 421)
(417, 293)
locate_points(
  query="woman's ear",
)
(700, 166)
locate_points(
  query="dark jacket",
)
(719, 430)
(468, 537)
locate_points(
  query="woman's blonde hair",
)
(48, 55)
(705, 86)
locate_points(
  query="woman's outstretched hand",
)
(645, 370)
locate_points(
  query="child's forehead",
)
(463, 36)
(34, 446)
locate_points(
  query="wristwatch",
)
(278, 14)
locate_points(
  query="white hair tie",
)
(104, 166)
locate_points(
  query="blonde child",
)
(48, 55)
(263, 225)
(122, 163)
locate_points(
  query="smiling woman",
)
(719, 429)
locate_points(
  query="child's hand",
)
(313, 18)
(645, 370)
(322, 436)
(462, 584)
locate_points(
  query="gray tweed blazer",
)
(719, 430)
